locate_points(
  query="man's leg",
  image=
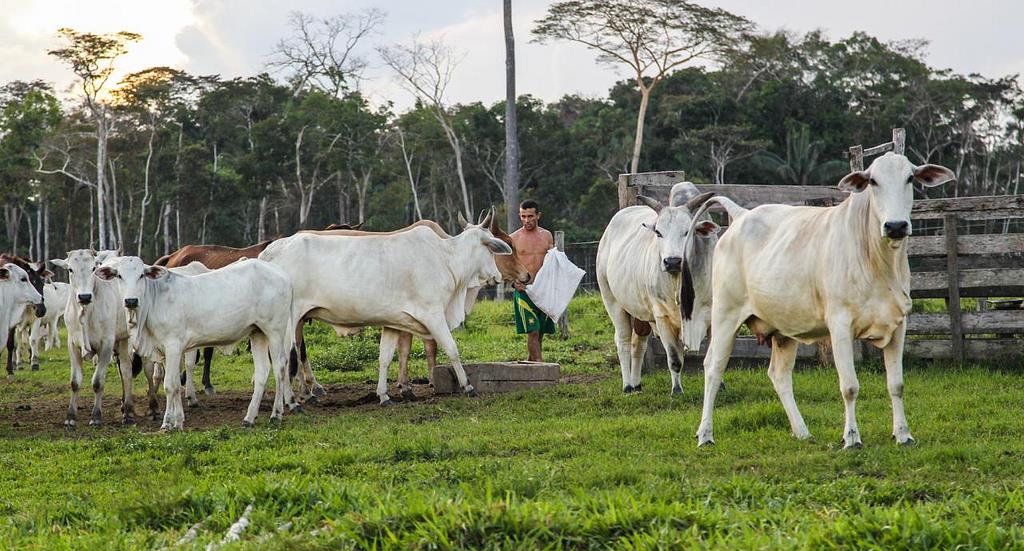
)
(533, 342)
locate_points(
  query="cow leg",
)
(388, 341)
(261, 370)
(52, 334)
(35, 340)
(309, 388)
(438, 328)
(674, 352)
(893, 355)
(637, 347)
(724, 324)
(174, 414)
(190, 379)
(153, 380)
(623, 336)
(124, 365)
(780, 371)
(430, 351)
(315, 388)
(99, 379)
(849, 387)
(207, 360)
(404, 347)
(75, 357)
(11, 346)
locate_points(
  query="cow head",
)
(489, 247)
(37, 276)
(81, 265)
(889, 183)
(18, 287)
(672, 229)
(132, 276)
(510, 266)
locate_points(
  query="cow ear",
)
(5, 274)
(497, 246)
(653, 203)
(106, 273)
(45, 274)
(60, 263)
(706, 228)
(36, 266)
(855, 182)
(933, 175)
(155, 272)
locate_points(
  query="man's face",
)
(529, 218)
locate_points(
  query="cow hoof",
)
(854, 446)
(95, 422)
(638, 388)
(386, 403)
(470, 392)
(275, 420)
(192, 404)
(319, 392)
(676, 390)
(408, 395)
(209, 391)
(908, 442)
(296, 408)
(69, 424)
(128, 421)
(706, 444)
(628, 389)
(35, 367)
(247, 424)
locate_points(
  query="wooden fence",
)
(954, 254)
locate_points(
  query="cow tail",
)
(686, 295)
(293, 363)
(136, 365)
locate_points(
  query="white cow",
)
(16, 294)
(97, 329)
(413, 281)
(170, 313)
(651, 268)
(801, 274)
(35, 333)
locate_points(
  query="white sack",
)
(555, 284)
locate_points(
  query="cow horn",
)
(699, 200)
(462, 220)
(486, 223)
(653, 203)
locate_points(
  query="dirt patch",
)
(224, 409)
(584, 378)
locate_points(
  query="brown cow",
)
(511, 270)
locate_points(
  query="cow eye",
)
(24, 279)
(656, 232)
(872, 181)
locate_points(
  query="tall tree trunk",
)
(46, 230)
(101, 165)
(92, 221)
(177, 226)
(115, 211)
(261, 227)
(39, 232)
(645, 95)
(167, 228)
(145, 192)
(511, 127)
(453, 140)
(408, 170)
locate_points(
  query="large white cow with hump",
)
(97, 329)
(654, 266)
(413, 281)
(801, 274)
(169, 314)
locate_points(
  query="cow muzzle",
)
(131, 303)
(896, 229)
(40, 310)
(672, 264)
(85, 298)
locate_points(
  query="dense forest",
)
(164, 158)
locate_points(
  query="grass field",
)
(579, 465)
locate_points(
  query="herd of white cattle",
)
(791, 274)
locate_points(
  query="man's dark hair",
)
(530, 204)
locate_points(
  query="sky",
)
(235, 37)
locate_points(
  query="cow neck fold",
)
(871, 252)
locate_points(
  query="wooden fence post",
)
(563, 322)
(956, 331)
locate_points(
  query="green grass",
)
(577, 465)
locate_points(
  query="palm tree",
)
(801, 166)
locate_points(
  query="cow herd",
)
(790, 274)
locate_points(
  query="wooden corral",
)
(946, 262)
(496, 377)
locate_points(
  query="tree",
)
(801, 166)
(511, 126)
(425, 69)
(651, 37)
(91, 58)
(321, 53)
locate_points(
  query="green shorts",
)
(529, 318)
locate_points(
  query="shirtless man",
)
(532, 243)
